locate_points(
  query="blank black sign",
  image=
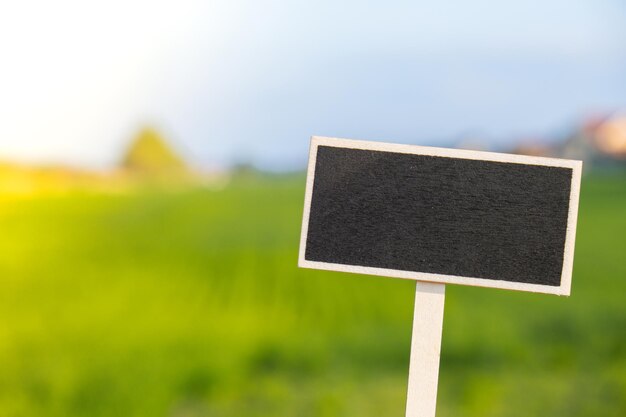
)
(439, 215)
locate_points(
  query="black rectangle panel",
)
(441, 215)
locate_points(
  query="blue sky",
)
(251, 81)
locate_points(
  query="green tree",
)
(149, 153)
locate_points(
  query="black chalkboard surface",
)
(441, 215)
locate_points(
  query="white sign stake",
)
(425, 349)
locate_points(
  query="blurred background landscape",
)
(152, 161)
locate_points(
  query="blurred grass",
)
(189, 303)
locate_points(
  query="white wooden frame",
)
(568, 256)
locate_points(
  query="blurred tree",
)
(150, 154)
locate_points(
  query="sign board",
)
(441, 215)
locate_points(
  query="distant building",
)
(534, 147)
(610, 136)
(600, 143)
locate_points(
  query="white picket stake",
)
(425, 349)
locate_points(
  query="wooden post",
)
(425, 349)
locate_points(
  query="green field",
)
(189, 303)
